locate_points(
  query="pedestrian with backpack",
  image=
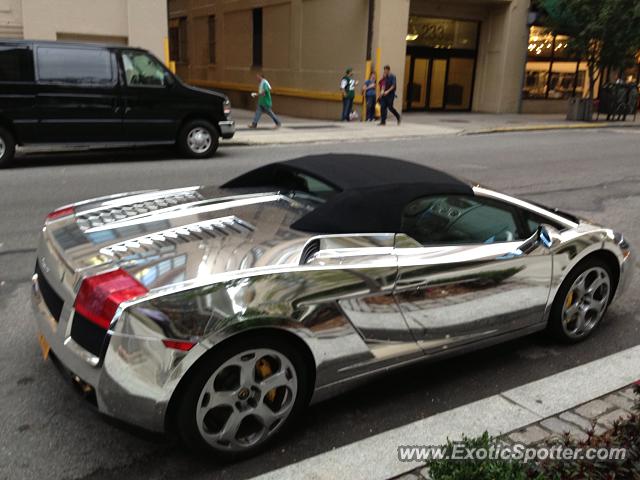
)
(348, 89)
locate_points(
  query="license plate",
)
(44, 346)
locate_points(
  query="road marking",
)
(375, 457)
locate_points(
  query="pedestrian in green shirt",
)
(348, 88)
(264, 102)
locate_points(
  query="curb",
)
(555, 126)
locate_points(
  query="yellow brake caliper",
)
(569, 299)
(264, 370)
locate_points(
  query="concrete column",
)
(147, 22)
(501, 56)
(390, 23)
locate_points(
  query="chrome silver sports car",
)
(220, 313)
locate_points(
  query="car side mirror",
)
(548, 236)
(169, 81)
(545, 235)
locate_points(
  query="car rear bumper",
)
(227, 128)
(112, 381)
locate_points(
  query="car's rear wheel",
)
(7, 148)
(198, 139)
(245, 394)
(581, 301)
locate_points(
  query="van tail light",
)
(60, 212)
(101, 295)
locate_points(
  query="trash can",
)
(578, 109)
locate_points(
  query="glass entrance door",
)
(438, 82)
(440, 63)
(459, 83)
(419, 83)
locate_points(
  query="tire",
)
(205, 421)
(574, 306)
(7, 148)
(198, 139)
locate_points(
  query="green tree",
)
(605, 33)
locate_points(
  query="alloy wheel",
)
(586, 302)
(199, 140)
(246, 400)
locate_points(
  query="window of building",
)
(75, 65)
(551, 71)
(178, 39)
(442, 33)
(458, 219)
(257, 37)
(142, 70)
(16, 64)
(211, 22)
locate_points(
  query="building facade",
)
(447, 55)
(139, 23)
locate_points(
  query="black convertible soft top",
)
(370, 191)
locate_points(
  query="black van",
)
(54, 92)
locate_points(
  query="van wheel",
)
(198, 139)
(7, 148)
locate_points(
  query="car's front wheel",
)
(198, 139)
(581, 301)
(7, 148)
(242, 396)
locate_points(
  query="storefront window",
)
(442, 33)
(561, 47)
(536, 79)
(540, 43)
(562, 80)
(551, 71)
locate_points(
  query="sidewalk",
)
(414, 124)
(596, 416)
(298, 130)
(530, 413)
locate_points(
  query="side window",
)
(534, 220)
(458, 219)
(142, 70)
(79, 66)
(16, 64)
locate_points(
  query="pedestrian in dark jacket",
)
(369, 90)
(388, 86)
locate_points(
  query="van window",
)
(75, 65)
(142, 70)
(16, 64)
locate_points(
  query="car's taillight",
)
(101, 295)
(61, 212)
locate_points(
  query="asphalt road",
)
(47, 431)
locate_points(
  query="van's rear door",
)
(17, 89)
(78, 96)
